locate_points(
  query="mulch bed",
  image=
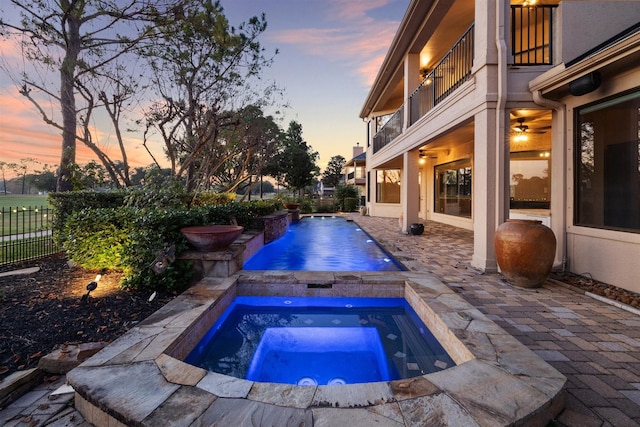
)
(44, 310)
(587, 284)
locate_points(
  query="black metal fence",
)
(25, 234)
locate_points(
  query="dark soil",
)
(43, 310)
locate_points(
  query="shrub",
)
(130, 239)
(210, 198)
(94, 237)
(306, 205)
(325, 206)
(64, 204)
(152, 231)
(347, 197)
(163, 192)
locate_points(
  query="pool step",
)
(424, 355)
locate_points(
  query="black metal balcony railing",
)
(389, 131)
(532, 34)
(356, 175)
(531, 44)
(453, 70)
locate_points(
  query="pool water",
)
(323, 244)
(319, 341)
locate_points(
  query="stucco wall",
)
(586, 24)
(607, 256)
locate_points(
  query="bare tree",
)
(82, 40)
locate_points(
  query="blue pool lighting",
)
(319, 341)
(324, 355)
(323, 244)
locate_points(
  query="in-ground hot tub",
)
(140, 379)
(319, 341)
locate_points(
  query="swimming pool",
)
(320, 341)
(323, 244)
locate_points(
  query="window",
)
(608, 164)
(388, 186)
(530, 184)
(453, 188)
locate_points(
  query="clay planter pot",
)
(525, 250)
(416, 229)
(209, 238)
(292, 206)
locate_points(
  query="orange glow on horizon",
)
(24, 135)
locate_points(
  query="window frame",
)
(579, 213)
(465, 204)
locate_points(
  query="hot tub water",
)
(319, 341)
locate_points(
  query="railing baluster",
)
(453, 70)
(531, 34)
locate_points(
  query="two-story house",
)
(485, 110)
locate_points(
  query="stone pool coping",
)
(140, 380)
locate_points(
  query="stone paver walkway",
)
(594, 344)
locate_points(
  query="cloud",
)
(356, 38)
(23, 134)
(354, 10)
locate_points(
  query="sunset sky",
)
(330, 51)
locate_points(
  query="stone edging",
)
(498, 381)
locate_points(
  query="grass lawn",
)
(20, 200)
(17, 218)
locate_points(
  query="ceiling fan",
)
(522, 128)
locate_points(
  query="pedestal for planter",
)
(294, 211)
(216, 263)
(525, 250)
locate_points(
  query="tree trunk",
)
(68, 102)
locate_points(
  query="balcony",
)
(356, 177)
(453, 70)
(531, 44)
(389, 131)
(531, 34)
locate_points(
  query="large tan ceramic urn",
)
(525, 250)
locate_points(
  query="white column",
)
(486, 178)
(410, 197)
